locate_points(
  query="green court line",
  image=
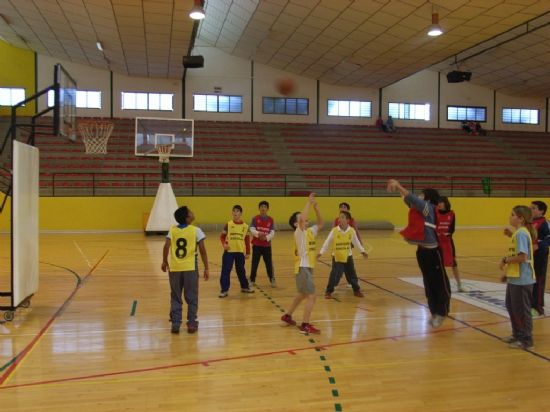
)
(331, 380)
(335, 392)
(327, 368)
(133, 311)
(337, 407)
(8, 363)
(322, 357)
(312, 340)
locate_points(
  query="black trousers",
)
(436, 282)
(257, 252)
(518, 303)
(339, 268)
(541, 264)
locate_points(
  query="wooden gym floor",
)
(97, 337)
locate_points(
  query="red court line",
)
(249, 356)
(19, 358)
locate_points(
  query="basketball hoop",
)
(95, 135)
(164, 151)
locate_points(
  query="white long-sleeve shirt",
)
(354, 240)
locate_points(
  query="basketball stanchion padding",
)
(95, 135)
(164, 151)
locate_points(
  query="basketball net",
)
(164, 151)
(95, 135)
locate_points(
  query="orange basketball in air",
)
(285, 86)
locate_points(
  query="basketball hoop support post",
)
(165, 172)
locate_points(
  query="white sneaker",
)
(461, 288)
(247, 290)
(273, 283)
(223, 294)
(437, 321)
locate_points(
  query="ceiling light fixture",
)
(99, 46)
(197, 12)
(435, 29)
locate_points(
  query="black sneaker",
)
(175, 328)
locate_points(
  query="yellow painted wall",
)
(122, 213)
(17, 71)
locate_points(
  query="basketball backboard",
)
(151, 132)
(64, 103)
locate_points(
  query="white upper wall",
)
(236, 76)
(465, 94)
(420, 88)
(146, 85)
(330, 92)
(511, 102)
(87, 78)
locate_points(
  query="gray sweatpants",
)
(188, 283)
(518, 303)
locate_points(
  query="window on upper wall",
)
(520, 116)
(349, 108)
(147, 101)
(285, 105)
(85, 99)
(409, 111)
(468, 113)
(10, 96)
(217, 103)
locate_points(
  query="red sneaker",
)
(288, 319)
(308, 328)
(328, 295)
(358, 293)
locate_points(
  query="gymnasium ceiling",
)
(363, 43)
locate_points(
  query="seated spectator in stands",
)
(480, 130)
(466, 127)
(389, 125)
(380, 124)
(472, 127)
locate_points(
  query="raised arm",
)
(320, 223)
(302, 217)
(395, 186)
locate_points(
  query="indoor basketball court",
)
(85, 307)
(102, 331)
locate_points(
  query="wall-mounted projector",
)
(457, 76)
(193, 62)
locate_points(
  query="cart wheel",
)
(9, 315)
(26, 303)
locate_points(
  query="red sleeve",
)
(336, 222)
(247, 244)
(223, 235)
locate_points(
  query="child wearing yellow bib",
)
(304, 262)
(179, 257)
(236, 248)
(520, 277)
(339, 241)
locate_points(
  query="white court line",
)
(82, 253)
(204, 324)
